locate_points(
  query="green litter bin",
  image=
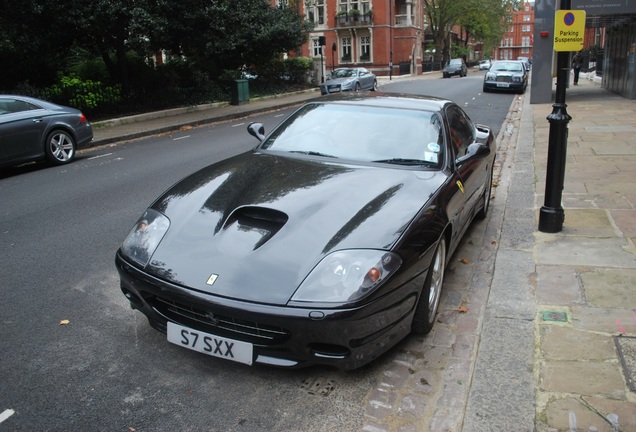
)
(240, 92)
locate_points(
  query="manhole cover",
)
(626, 346)
(555, 316)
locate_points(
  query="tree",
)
(112, 29)
(441, 16)
(485, 20)
(218, 35)
(32, 42)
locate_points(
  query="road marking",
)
(238, 124)
(279, 115)
(6, 414)
(180, 138)
(99, 156)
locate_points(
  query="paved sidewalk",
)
(557, 346)
(141, 125)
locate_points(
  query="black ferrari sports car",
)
(325, 244)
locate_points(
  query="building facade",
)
(384, 36)
(518, 40)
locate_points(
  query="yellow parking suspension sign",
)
(569, 29)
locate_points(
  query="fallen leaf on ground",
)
(462, 309)
(465, 261)
(64, 322)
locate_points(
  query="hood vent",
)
(259, 223)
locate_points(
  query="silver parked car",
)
(349, 79)
(33, 129)
(506, 75)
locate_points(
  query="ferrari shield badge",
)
(212, 279)
(459, 185)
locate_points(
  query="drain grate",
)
(318, 386)
(626, 347)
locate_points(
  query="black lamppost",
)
(551, 215)
(334, 47)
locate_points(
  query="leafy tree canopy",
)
(212, 34)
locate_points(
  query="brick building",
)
(518, 40)
(365, 33)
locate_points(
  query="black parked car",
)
(33, 129)
(455, 66)
(506, 75)
(326, 244)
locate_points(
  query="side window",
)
(13, 106)
(462, 132)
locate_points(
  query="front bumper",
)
(345, 338)
(504, 86)
(336, 88)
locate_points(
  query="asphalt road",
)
(74, 356)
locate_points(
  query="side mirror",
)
(475, 151)
(256, 130)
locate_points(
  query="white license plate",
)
(209, 344)
(503, 85)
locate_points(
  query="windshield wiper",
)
(400, 161)
(313, 153)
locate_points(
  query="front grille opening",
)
(221, 325)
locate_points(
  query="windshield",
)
(343, 73)
(455, 62)
(366, 134)
(507, 67)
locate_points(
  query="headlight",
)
(516, 78)
(347, 85)
(346, 276)
(491, 76)
(145, 236)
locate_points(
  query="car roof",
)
(387, 100)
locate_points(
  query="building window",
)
(525, 41)
(525, 28)
(365, 48)
(315, 47)
(345, 45)
(526, 18)
(525, 50)
(316, 11)
(364, 6)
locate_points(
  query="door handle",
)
(37, 120)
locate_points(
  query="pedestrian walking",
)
(577, 61)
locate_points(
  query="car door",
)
(470, 176)
(365, 78)
(22, 126)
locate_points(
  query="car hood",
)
(339, 81)
(261, 222)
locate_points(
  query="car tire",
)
(426, 309)
(485, 90)
(357, 89)
(483, 212)
(375, 85)
(59, 147)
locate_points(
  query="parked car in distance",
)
(526, 61)
(349, 79)
(484, 64)
(456, 66)
(32, 129)
(506, 75)
(326, 244)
